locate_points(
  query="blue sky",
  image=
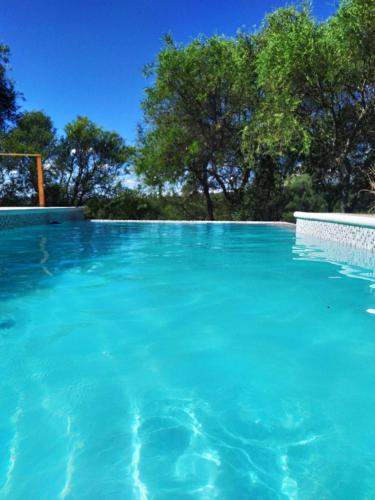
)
(72, 57)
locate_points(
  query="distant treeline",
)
(250, 127)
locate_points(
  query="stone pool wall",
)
(20, 217)
(352, 230)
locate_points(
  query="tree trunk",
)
(201, 174)
(210, 206)
(345, 200)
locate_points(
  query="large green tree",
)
(90, 162)
(319, 86)
(202, 98)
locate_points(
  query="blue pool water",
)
(179, 362)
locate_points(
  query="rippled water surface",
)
(171, 361)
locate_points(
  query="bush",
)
(300, 195)
(130, 204)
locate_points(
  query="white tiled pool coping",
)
(349, 219)
(347, 229)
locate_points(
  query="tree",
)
(195, 113)
(263, 199)
(8, 94)
(129, 204)
(33, 133)
(299, 194)
(319, 86)
(90, 162)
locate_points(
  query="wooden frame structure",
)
(39, 170)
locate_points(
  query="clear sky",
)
(72, 57)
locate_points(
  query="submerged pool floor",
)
(183, 362)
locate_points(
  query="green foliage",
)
(263, 199)
(33, 133)
(298, 91)
(195, 113)
(130, 204)
(89, 162)
(319, 86)
(8, 94)
(299, 194)
(367, 194)
(288, 61)
(251, 127)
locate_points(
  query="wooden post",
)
(39, 169)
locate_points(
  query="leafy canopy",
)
(201, 100)
(90, 161)
(318, 82)
(8, 94)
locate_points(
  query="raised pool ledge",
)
(13, 217)
(208, 222)
(348, 229)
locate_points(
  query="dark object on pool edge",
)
(55, 222)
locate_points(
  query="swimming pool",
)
(183, 362)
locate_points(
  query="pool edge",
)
(348, 229)
(16, 217)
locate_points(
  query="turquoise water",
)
(184, 362)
